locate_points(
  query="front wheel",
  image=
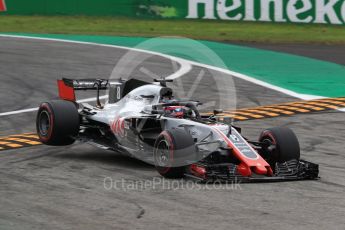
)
(173, 150)
(280, 145)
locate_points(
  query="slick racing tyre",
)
(173, 150)
(57, 122)
(280, 145)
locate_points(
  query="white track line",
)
(186, 66)
(18, 112)
(35, 109)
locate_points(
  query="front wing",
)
(287, 171)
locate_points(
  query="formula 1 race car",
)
(145, 121)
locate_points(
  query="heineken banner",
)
(295, 11)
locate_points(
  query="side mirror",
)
(217, 111)
(149, 109)
(160, 112)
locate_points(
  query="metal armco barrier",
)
(282, 11)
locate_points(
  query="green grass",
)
(197, 29)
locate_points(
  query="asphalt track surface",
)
(63, 188)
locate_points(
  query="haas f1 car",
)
(145, 121)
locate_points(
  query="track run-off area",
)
(63, 187)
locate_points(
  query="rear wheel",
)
(57, 122)
(173, 150)
(280, 145)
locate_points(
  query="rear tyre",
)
(57, 123)
(285, 142)
(173, 150)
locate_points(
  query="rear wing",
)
(117, 88)
(67, 87)
(86, 84)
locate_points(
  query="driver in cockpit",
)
(177, 111)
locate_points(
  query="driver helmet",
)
(174, 111)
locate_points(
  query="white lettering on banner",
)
(278, 10)
(324, 9)
(222, 9)
(193, 9)
(299, 11)
(249, 10)
(293, 12)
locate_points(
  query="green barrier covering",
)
(295, 11)
(129, 8)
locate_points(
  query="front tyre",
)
(173, 150)
(280, 145)
(57, 122)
